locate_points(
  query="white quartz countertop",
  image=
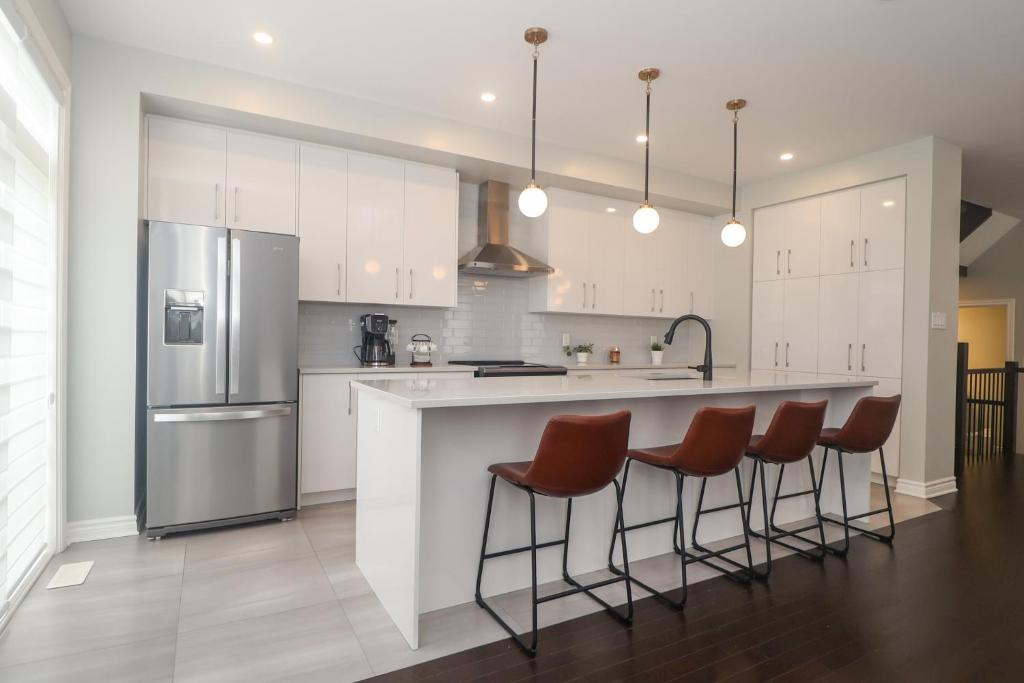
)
(426, 393)
(398, 367)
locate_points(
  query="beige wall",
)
(984, 329)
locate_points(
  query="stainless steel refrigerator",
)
(220, 352)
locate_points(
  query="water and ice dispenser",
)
(183, 316)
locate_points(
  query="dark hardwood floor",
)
(946, 603)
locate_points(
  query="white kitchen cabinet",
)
(430, 240)
(700, 266)
(671, 244)
(376, 224)
(769, 242)
(185, 172)
(800, 325)
(883, 212)
(766, 329)
(640, 283)
(840, 232)
(605, 237)
(881, 323)
(803, 235)
(327, 433)
(323, 210)
(837, 319)
(262, 174)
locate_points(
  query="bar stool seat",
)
(662, 456)
(828, 436)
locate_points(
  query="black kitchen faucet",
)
(704, 367)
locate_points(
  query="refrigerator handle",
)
(222, 314)
(252, 413)
(236, 314)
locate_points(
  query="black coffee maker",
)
(376, 350)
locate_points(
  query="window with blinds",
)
(29, 126)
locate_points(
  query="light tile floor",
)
(264, 602)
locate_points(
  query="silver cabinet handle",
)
(789, 260)
(851, 253)
(410, 284)
(216, 202)
(865, 251)
(339, 279)
(593, 297)
(222, 314)
(849, 356)
(662, 308)
(778, 268)
(863, 348)
(235, 335)
(787, 354)
(398, 281)
(691, 302)
(775, 362)
(236, 203)
(584, 296)
(350, 397)
(652, 301)
(186, 415)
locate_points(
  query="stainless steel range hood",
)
(493, 255)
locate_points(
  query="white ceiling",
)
(826, 80)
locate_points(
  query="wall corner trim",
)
(926, 489)
(101, 528)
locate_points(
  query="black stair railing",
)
(986, 410)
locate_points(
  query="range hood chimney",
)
(493, 255)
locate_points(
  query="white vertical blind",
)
(29, 117)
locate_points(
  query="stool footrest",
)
(653, 522)
(580, 588)
(524, 549)
(795, 494)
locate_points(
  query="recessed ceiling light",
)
(888, 203)
(786, 156)
(488, 97)
(610, 209)
(641, 138)
(263, 38)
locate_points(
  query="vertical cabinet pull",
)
(865, 251)
(778, 268)
(789, 261)
(398, 281)
(584, 296)
(863, 348)
(350, 398)
(236, 203)
(410, 284)
(851, 253)
(691, 302)
(849, 356)
(787, 354)
(775, 362)
(652, 301)
(662, 308)
(593, 292)
(339, 279)
(216, 202)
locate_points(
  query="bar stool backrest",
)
(870, 424)
(715, 441)
(580, 454)
(793, 432)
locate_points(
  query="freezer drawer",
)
(208, 464)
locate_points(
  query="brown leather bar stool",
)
(577, 456)
(713, 446)
(866, 430)
(790, 438)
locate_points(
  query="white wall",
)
(54, 26)
(932, 168)
(110, 81)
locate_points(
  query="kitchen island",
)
(424, 446)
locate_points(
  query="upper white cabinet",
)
(838, 349)
(766, 325)
(376, 224)
(185, 172)
(430, 236)
(840, 232)
(323, 215)
(262, 174)
(786, 240)
(883, 211)
(606, 270)
(800, 325)
(881, 323)
(700, 265)
(769, 242)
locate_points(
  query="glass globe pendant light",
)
(533, 202)
(646, 218)
(734, 233)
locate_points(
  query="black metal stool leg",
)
(483, 545)
(743, 523)
(696, 517)
(888, 500)
(846, 515)
(874, 535)
(767, 536)
(817, 507)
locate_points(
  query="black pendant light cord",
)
(647, 144)
(735, 145)
(533, 135)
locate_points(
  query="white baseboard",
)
(321, 497)
(103, 527)
(876, 478)
(926, 489)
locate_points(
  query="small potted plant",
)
(657, 352)
(582, 352)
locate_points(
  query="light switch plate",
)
(566, 339)
(938, 320)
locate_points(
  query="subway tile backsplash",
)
(492, 321)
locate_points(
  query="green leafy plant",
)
(657, 346)
(579, 348)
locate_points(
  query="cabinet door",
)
(803, 236)
(766, 321)
(883, 213)
(671, 243)
(800, 325)
(327, 433)
(261, 183)
(639, 291)
(376, 219)
(323, 206)
(700, 266)
(769, 241)
(606, 235)
(837, 319)
(431, 235)
(185, 173)
(568, 231)
(881, 323)
(840, 232)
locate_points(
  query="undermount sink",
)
(661, 376)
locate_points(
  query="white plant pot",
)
(656, 357)
(582, 358)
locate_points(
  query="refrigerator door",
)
(211, 464)
(187, 314)
(263, 337)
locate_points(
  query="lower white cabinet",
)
(881, 323)
(838, 350)
(767, 303)
(800, 325)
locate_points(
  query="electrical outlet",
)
(938, 320)
(566, 339)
